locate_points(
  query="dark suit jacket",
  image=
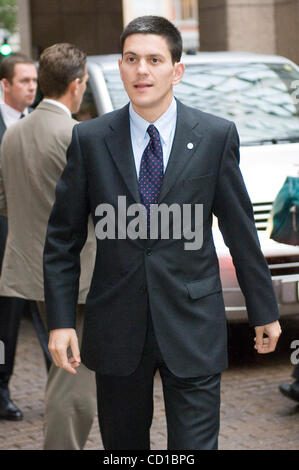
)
(3, 220)
(182, 288)
(2, 127)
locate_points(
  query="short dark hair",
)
(156, 25)
(59, 65)
(7, 65)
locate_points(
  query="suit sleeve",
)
(3, 207)
(65, 238)
(234, 210)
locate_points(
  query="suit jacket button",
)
(148, 252)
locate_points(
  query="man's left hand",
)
(267, 344)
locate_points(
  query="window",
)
(259, 97)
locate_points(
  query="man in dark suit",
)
(18, 77)
(155, 301)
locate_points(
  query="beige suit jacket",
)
(33, 156)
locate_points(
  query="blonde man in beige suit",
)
(33, 156)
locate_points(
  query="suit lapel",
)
(186, 140)
(120, 147)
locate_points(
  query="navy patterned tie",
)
(151, 171)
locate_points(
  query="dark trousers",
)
(125, 406)
(295, 373)
(11, 310)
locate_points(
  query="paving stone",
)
(254, 415)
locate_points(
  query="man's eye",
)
(155, 60)
(131, 59)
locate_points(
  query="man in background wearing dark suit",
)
(18, 77)
(155, 302)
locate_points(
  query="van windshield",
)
(261, 98)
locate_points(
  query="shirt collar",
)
(59, 104)
(12, 113)
(164, 124)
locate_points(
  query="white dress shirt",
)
(10, 115)
(166, 126)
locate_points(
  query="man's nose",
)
(32, 85)
(142, 67)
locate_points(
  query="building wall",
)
(262, 26)
(265, 26)
(24, 22)
(95, 25)
(213, 25)
(92, 25)
(251, 25)
(287, 29)
(177, 11)
(134, 8)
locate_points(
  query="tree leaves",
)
(8, 15)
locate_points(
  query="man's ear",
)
(119, 66)
(179, 69)
(5, 84)
(74, 86)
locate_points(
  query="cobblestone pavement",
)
(254, 415)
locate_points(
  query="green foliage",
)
(8, 15)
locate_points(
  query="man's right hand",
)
(59, 342)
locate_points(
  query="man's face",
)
(20, 92)
(148, 73)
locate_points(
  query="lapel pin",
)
(190, 146)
